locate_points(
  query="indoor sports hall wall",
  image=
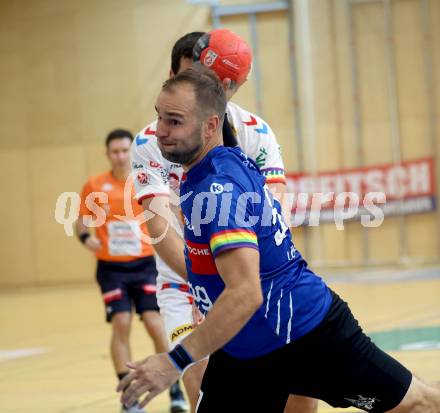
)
(72, 70)
(413, 238)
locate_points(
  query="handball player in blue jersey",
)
(272, 327)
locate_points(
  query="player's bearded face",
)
(185, 150)
(179, 127)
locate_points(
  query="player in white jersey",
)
(158, 179)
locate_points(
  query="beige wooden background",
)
(71, 70)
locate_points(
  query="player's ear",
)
(212, 125)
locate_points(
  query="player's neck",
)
(207, 148)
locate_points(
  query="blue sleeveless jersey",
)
(226, 205)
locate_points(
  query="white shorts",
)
(175, 303)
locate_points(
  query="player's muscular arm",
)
(278, 191)
(166, 241)
(242, 296)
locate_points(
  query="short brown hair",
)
(184, 48)
(210, 96)
(118, 134)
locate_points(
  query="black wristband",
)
(83, 237)
(180, 357)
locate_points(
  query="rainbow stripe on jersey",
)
(274, 175)
(232, 238)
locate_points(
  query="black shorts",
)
(336, 362)
(126, 283)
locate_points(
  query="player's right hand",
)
(92, 243)
(150, 376)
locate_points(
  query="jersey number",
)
(280, 234)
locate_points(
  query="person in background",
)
(126, 269)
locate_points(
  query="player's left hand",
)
(228, 89)
(152, 376)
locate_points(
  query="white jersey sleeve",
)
(257, 140)
(149, 167)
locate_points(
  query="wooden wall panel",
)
(58, 257)
(384, 241)
(17, 243)
(411, 80)
(421, 235)
(354, 241)
(278, 108)
(328, 147)
(373, 83)
(71, 71)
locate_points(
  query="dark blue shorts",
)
(126, 283)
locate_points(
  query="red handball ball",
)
(226, 53)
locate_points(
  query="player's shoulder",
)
(235, 110)
(254, 135)
(228, 166)
(99, 180)
(248, 122)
